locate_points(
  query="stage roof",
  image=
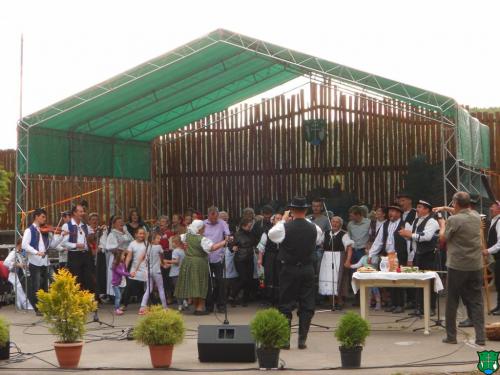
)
(205, 76)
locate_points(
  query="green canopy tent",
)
(119, 118)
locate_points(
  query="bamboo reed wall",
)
(253, 154)
(57, 194)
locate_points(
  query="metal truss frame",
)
(457, 176)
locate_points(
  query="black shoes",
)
(302, 344)
(448, 340)
(398, 310)
(495, 309)
(390, 309)
(496, 313)
(416, 312)
(481, 342)
(465, 323)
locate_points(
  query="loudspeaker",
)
(225, 343)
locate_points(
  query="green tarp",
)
(117, 119)
(473, 141)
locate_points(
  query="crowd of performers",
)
(205, 262)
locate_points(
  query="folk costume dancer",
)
(80, 261)
(35, 244)
(298, 239)
(388, 241)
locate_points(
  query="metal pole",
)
(443, 156)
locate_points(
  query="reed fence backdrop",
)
(249, 155)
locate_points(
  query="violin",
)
(50, 229)
(46, 228)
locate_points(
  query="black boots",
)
(304, 324)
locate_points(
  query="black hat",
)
(425, 203)
(394, 207)
(299, 202)
(404, 195)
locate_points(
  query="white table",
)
(365, 280)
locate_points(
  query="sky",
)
(449, 47)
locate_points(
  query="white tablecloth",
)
(394, 276)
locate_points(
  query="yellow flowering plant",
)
(65, 307)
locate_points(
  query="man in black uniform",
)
(298, 239)
(424, 237)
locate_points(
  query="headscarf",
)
(195, 226)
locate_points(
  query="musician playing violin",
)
(35, 242)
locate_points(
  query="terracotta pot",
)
(68, 354)
(161, 355)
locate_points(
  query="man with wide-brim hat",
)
(298, 239)
(405, 201)
(423, 234)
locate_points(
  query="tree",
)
(5, 181)
(488, 109)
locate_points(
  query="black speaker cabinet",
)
(225, 343)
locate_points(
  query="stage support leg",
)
(427, 307)
(363, 299)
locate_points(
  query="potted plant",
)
(271, 332)
(65, 308)
(351, 333)
(4, 339)
(160, 329)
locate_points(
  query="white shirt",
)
(39, 260)
(206, 244)
(117, 240)
(80, 238)
(496, 247)
(277, 233)
(10, 261)
(154, 258)
(379, 240)
(262, 243)
(138, 249)
(430, 229)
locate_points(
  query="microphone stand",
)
(226, 321)
(149, 290)
(332, 262)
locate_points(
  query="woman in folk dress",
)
(333, 281)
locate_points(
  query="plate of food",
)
(366, 269)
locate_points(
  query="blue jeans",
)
(118, 296)
(357, 254)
